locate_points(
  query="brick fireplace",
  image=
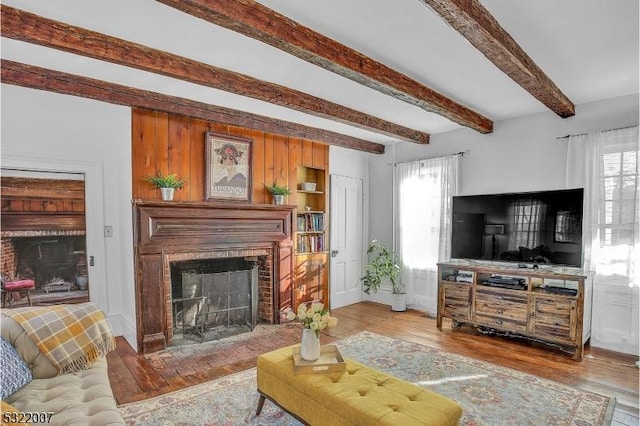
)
(171, 232)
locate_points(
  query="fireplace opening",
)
(214, 298)
(55, 263)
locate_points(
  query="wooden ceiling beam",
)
(474, 22)
(25, 26)
(24, 75)
(254, 20)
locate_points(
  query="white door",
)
(346, 241)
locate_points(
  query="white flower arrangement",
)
(315, 318)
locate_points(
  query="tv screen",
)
(542, 227)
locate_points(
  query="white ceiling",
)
(589, 48)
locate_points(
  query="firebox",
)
(214, 298)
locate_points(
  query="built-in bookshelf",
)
(311, 213)
(311, 237)
(310, 228)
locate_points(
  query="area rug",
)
(489, 394)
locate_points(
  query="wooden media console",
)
(550, 305)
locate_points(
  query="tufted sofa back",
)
(38, 363)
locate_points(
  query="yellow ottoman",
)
(359, 396)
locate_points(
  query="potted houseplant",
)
(384, 265)
(167, 184)
(278, 192)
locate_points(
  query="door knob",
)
(334, 253)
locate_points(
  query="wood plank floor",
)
(135, 377)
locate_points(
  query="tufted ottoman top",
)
(361, 395)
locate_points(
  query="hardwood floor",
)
(135, 377)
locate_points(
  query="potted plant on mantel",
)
(384, 264)
(278, 192)
(167, 184)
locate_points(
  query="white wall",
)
(42, 130)
(522, 154)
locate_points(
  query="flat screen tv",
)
(542, 227)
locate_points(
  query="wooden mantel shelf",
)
(162, 223)
(212, 205)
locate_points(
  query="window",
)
(618, 212)
(526, 221)
(422, 214)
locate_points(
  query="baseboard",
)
(631, 349)
(125, 328)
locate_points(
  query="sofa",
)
(79, 397)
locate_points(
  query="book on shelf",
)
(310, 243)
(310, 222)
(302, 223)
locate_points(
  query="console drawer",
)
(510, 306)
(554, 319)
(457, 301)
(501, 323)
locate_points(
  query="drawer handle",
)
(498, 322)
(500, 311)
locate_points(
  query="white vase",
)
(82, 281)
(278, 199)
(399, 302)
(167, 193)
(310, 345)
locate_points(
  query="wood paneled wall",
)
(171, 143)
(31, 205)
(32, 195)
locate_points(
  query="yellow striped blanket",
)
(72, 337)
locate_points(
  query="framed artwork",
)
(228, 167)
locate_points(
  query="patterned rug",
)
(489, 394)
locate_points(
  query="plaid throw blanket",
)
(72, 337)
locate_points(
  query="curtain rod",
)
(460, 153)
(608, 130)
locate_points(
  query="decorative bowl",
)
(309, 186)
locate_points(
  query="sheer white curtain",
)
(607, 164)
(422, 220)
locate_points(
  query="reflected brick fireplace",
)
(54, 256)
(170, 232)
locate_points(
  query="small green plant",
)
(168, 181)
(275, 189)
(383, 263)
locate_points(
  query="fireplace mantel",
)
(164, 230)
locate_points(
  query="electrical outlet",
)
(108, 231)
